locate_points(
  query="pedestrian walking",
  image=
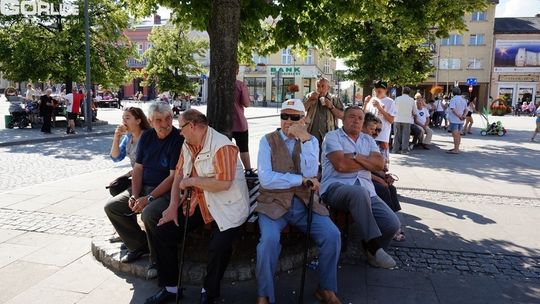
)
(457, 112)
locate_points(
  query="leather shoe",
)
(160, 297)
(205, 299)
(262, 300)
(327, 296)
(132, 256)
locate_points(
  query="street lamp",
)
(88, 112)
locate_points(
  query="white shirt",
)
(388, 105)
(439, 103)
(405, 107)
(459, 105)
(421, 117)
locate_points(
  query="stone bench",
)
(243, 261)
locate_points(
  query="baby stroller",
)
(20, 117)
(495, 128)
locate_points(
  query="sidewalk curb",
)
(469, 193)
(81, 135)
(54, 138)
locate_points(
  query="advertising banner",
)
(517, 56)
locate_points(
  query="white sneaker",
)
(381, 259)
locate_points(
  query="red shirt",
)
(77, 99)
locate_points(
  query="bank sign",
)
(285, 71)
(37, 7)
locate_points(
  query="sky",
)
(517, 8)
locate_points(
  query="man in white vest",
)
(210, 167)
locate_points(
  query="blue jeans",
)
(323, 231)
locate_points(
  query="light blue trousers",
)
(323, 231)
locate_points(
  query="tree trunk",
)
(223, 31)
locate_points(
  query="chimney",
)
(157, 19)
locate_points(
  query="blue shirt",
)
(338, 140)
(158, 156)
(122, 147)
(309, 163)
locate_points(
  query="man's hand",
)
(168, 215)
(328, 103)
(140, 203)
(187, 182)
(367, 99)
(299, 131)
(131, 202)
(312, 182)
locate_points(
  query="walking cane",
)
(179, 292)
(308, 232)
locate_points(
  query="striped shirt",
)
(225, 167)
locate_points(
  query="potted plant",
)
(293, 88)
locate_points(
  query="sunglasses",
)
(293, 117)
(378, 130)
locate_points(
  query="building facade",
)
(466, 56)
(272, 78)
(516, 64)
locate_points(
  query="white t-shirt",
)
(459, 105)
(439, 103)
(388, 105)
(422, 116)
(405, 108)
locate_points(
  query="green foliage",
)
(378, 38)
(42, 48)
(171, 60)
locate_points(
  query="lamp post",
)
(88, 112)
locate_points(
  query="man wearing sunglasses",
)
(288, 165)
(323, 110)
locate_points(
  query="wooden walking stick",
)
(306, 250)
(179, 292)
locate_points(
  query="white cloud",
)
(517, 8)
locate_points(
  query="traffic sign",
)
(471, 81)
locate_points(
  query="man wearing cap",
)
(288, 165)
(383, 107)
(323, 110)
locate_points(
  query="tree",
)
(44, 47)
(338, 27)
(171, 60)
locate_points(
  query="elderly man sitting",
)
(157, 154)
(348, 157)
(288, 163)
(209, 165)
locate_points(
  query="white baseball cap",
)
(293, 104)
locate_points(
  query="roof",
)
(519, 25)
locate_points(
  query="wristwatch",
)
(150, 198)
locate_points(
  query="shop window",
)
(453, 39)
(256, 87)
(477, 39)
(283, 94)
(478, 16)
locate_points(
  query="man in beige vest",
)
(288, 159)
(209, 165)
(323, 110)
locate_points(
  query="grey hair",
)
(159, 107)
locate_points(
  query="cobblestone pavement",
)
(32, 164)
(408, 258)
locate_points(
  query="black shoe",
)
(160, 297)
(250, 174)
(151, 271)
(123, 246)
(132, 256)
(425, 147)
(205, 299)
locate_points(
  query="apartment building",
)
(270, 77)
(516, 64)
(465, 57)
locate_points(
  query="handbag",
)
(119, 185)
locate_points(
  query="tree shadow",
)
(447, 210)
